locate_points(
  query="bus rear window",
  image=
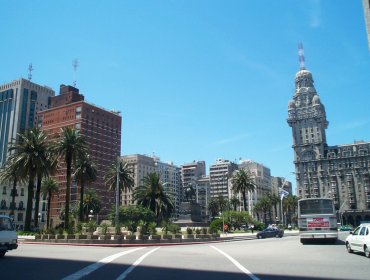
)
(319, 206)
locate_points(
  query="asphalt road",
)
(275, 258)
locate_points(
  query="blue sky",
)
(198, 79)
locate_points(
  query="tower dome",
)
(316, 100)
(291, 104)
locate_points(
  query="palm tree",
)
(91, 202)
(29, 154)
(152, 196)
(125, 176)
(49, 188)
(213, 207)
(274, 199)
(85, 171)
(234, 202)
(223, 204)
(10, 173)
(243, 182)
(69, 145)
(290, 204)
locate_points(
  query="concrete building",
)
(102, 131)
(341, 171)
(220, 174)
(203, 195)
(170, 175)
(190, 173)
(366, 5)
(19, 102)
(262, 179)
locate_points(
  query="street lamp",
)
(91, 215)
(39, 218)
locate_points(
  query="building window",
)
(4, 190)
(22, 191)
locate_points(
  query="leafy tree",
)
(274, 200)
(290, 204)
(234, 202)
(91, 202)
(243, 182)
(134, 215)
(29, 154)
(151, 195)
(69, 145)
(49, 188)
(125, 178)
(10, 173)
(213, 207)
(223, 203)
(85, 171)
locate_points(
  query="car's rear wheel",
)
(349, 250)
(259, 236)
(2, 253)
(367, 251)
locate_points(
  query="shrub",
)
(104, 228)
(204, 230)
(197, 231)
(189, 230)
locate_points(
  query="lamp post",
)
(91, 215)
(39, 219)
(117, 193)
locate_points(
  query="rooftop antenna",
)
(301, 56)
(30, 69)
(75, 65)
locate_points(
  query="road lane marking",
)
(135, 264)
(236, 263)
(88, 269)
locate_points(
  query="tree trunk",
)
(244, 201)
(37, 202)
(14, 190)
(27, 223)
(48, 215)
(81, 200)
(68, 191)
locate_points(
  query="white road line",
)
(236, 263)
(88, 269)
(135, 264)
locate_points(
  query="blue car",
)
(270, 232)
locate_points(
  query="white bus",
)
(317, 219)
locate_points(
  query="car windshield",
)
(5, 224)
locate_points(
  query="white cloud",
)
(315, 14)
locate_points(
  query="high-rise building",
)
(220, 175)
(19, 102)
(102, 131)
(190, 173)
(341, 171)
(262, 179)
(203, 195)
(366, 5)
(142, 165)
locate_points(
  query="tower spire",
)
(75, 64)
(30, 69)
(301, 56)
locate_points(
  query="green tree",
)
(29, 154)
(213, 207)
(234, 202)
(85, 172)
(223, 203)
(49, 188)
(69, 145)
(290, 204)
(274, 200)
(9, 173)
(125, 178)
(151, 195)
(134, 215)
(91, 202)
(243, 182)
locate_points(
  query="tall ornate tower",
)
(307, 118)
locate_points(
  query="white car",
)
(8, 235)
(359, 240)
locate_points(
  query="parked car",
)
(270, 232)
(359, 240)
(345, 228)
(8, 235)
